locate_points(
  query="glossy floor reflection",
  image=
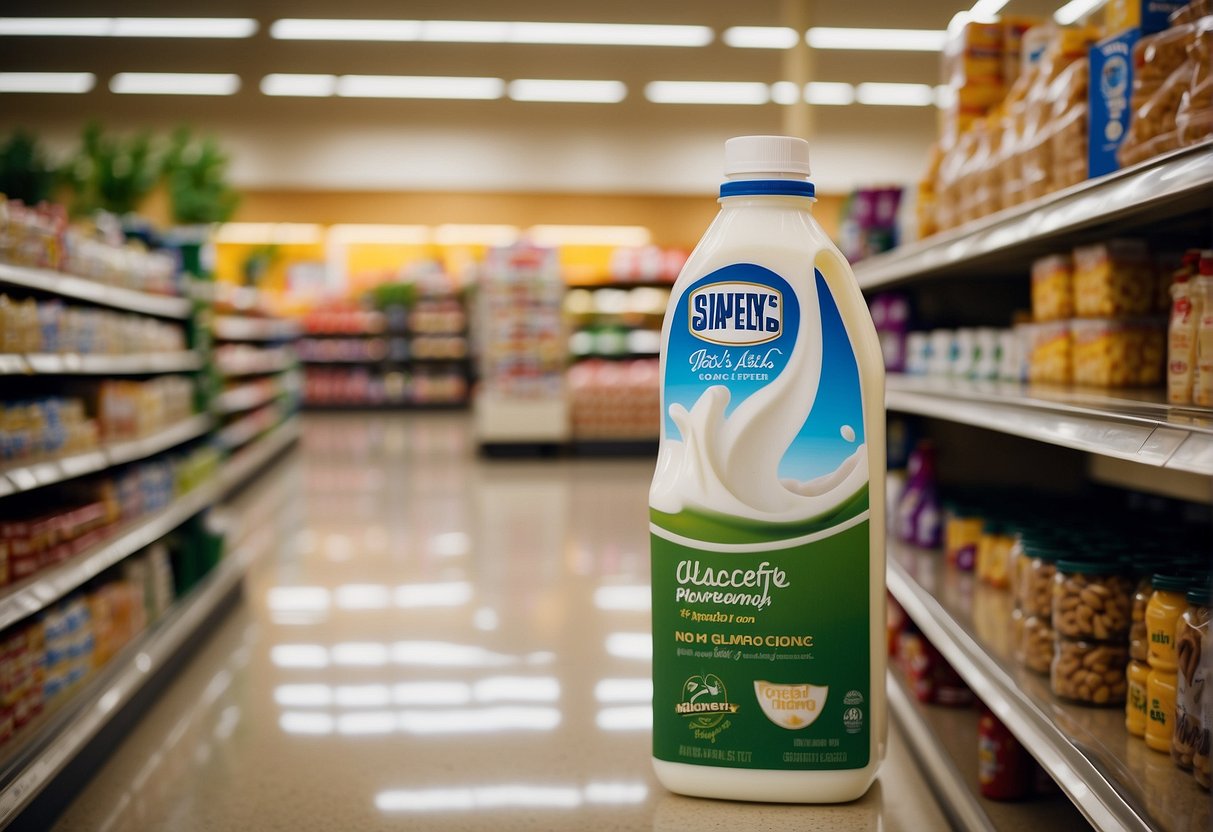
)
(432, 641)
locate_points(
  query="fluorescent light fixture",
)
(610, 34)
(760, 37)
(986, 9)
(370, 233)
(56, 26)
(707, 92)
(175, 83)
(47, 82)
(589, 92)
(896, 95)
(785, 92)
(903, 40)
(832, 93)
(455, 544)
(489, 31)
(309, 86)
(419, 86)
(829, 93)
(1075, 10)
(130, 27)
(945, 96)
(183, 27)
(589, 235)
(380, 30)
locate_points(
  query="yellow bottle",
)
(1167, 604)
(1136, 699)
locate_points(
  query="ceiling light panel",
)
(896, 95)
(175, 83)
(47, 82)
(986, 9)
(489, 31)
(760, 37)
(130, 27)
(828, 93)
(707, 92)
(590, 92)
(896, 40)
(308, 86)
(419, 86)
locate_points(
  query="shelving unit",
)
(1131, 438)
(381, 362)
(71, 364)
(1113, 779)
(51, 743)
(1158, 190)
(945, 742)
(261, 388)
(1138, 428)
(77, 288)
(33, 475)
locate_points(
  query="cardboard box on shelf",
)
(1111, 73)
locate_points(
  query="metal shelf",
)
(271, 362)
(1169, 185)
(245, 328)
(70, 730)
(72, 364)
(244, 397)
(1113, 779)
(77, 288)
(43, 589)
(1137, 427)
(38, 474)
(944, 739)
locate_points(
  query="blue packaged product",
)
(1111, 84)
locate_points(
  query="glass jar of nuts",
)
(1090, 672)
(1091, 600)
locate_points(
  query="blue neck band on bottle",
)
(767, 187)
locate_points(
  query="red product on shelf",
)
(1005, 769)
(930, 676)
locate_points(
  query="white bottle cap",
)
(761, 156)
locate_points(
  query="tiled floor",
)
(433, 641)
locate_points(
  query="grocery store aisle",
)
(432, 641)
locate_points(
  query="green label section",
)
(761, 658)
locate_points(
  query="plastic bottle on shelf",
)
(767, 505)
(1167, 603)
(1202, 302)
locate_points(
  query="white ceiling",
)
(634, 146)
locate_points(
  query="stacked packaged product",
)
(1024, 121)
(615, 400)
(34, 325)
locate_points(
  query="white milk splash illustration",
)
(730, 464)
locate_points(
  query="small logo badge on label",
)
(791, 706)
(735, 313)
(705, 701)
(852, 719)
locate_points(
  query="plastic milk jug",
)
(767, 508)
